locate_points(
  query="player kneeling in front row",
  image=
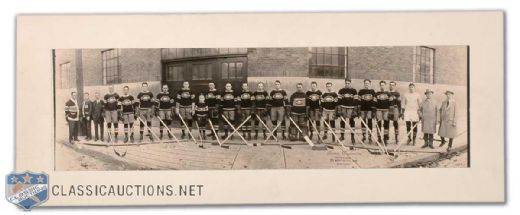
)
(298, 112)
(127, 113)
(164, 106)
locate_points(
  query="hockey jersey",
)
(165, 101)
(145, 99)
(111, 101)
(329, 100)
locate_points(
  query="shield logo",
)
(27, 189)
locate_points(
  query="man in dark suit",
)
(86, 111)
(97, 111)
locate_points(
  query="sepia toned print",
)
(261, 108)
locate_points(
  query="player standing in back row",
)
(382, 107)
(279, 100)
(260, 107)
(245, 105)
(164, 106)
(395, 109)
(212, 100)
(228, 106)
(111, 100)
(366, 103)
(329, 102)
(348, 105)
(145, 107)
(185, 106)
(314, 107)
(127, 113)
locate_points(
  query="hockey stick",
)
(358, 138)
(216, 136)
(271, 133)
(305, 137)
(112, 141)
(372, 136)
(200, 135)
(236, 129)
(407, 134)
(381, 135)
(265, 126)
(318, 134)
(333, 134)
(148, 128)
(187, 128)
(168, 129)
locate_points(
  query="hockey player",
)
(366, 103)
(212, 100)
(201, 115)
(245, 105)
(382, 106)
(279, 101)
(145, 104)
(164, 105)
(298, 112)
(111, 109)
(72, 117)
(348, 105)
(127, 110)
(261, 98)
(329, 103)
(395, 109)
(314, 107)
(185, 105)
(228, 107)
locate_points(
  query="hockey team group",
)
(242, 112)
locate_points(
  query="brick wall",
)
(451, 65)
(272, 62)
(389, 63)
(140, 65)
(136, 65)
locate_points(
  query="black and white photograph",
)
(320, 107)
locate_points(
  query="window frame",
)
(328, 59)
(115, 66)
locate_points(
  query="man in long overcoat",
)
(428, 112)
(448, 119)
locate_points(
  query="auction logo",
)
(27, 189)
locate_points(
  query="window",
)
(232, 70)
(423, 59)
(327, 62)
(202, 72)
(199, 52)
(111, 66)
(67, 78)
(175, 73)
